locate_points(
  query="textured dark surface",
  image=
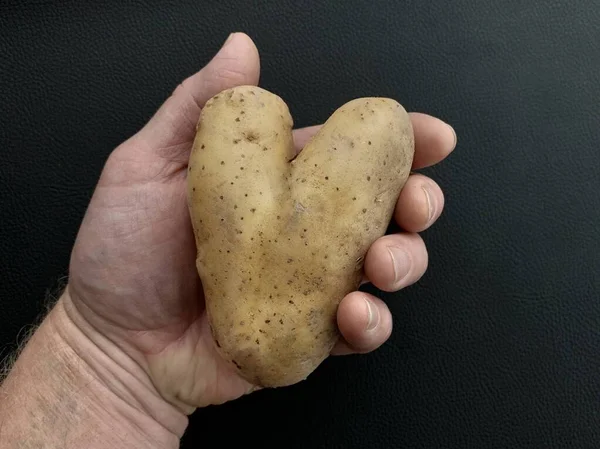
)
(499, 344)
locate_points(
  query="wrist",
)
(77, 384)
(124, 379)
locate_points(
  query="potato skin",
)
(281, 240)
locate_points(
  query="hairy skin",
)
(65, 390)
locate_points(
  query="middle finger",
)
(396, 261)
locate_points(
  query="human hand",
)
(133, 276)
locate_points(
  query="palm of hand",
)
(133, 275)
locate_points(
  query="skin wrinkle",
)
(122, 363)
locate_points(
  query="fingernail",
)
(430, 198)
(455, 137)
(373, 312)
(401, 262)
(228, 39)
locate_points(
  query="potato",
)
(281, 239)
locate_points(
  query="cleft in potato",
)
(280, 237)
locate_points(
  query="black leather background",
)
(498, 346)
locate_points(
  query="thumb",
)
(174, 124)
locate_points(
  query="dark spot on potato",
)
(303, 180)
(257, 341)
(265, 148)
(253, 210)
(236, 141)
(261, 331)
(231, 182)
(235, 206)
(221, 197)
(251, 136)
(241, 168)
(368, 178)
(190, 168)
(280, 321)
(193, 189)
(352, 144)
(228, 251)
(291, 302)
(354, 198)
(290, 260)
(237, 364)
(326, 178)
(241, 218)
(369, 142)
(242, 323)
(267, 321)
(334, 149)
(222, 163)
(364, 210)
(237, 119)
(203, 167)
(245, 194)
(217, 343)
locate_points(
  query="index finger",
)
(434, 139)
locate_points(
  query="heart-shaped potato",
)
(281, 238)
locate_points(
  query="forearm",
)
(67, 391)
